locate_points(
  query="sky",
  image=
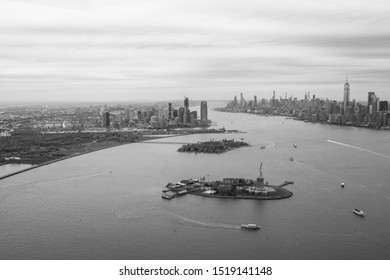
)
(108, 50)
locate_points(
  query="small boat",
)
(342, 185)
(250, 227)
(295, 146)
(359, 212)
(262, 147)
(291, 159)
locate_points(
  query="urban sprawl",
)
(373, 114)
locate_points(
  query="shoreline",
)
(144, 139)
(286, 194)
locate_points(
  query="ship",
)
(359, 212)
(250, 227)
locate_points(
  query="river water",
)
(108, 205)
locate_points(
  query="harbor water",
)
(107, 204)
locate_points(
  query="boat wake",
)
(205, 224)
(358, 148)
(61, 179)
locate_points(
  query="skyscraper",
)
(346, 96)
(186, 117)
(384, 106)
(186, 103)
(181, 115)
(203, 112)
(371, 104)
(106, 119)
(170, 113)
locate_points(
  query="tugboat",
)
(250, 227)
(359, 212)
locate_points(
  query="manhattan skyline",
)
(153, 50)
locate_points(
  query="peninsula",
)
(234, 188)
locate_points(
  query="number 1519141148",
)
(232, 270)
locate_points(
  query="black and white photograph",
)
(193, 130)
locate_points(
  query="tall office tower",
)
(241, 100)
(371, 98)
(384, 106)
(346, 96)
(181, 115)
(255, 101)
(106, 119)
(127, 114)
(203, 112)
(160, 113)
(175, 113)
(308, 96)
(305, 96)
(186, 103)
(273, 96)
(170, 113)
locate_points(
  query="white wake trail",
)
(358, 148)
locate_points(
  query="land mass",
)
(215, 147)
(234, 188)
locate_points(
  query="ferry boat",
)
(359, 212)
(250, 227)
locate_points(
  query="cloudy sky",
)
(101, 50)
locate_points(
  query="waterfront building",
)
(194, 114)
(175, 113)
(384, 106)
(370, 101)
(106, 119)
(186, 103)
(181, 115)
(203, 112)
(170, 112)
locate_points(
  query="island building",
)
(257, 187)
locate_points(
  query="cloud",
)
(157, 47)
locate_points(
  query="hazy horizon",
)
(102, 50)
